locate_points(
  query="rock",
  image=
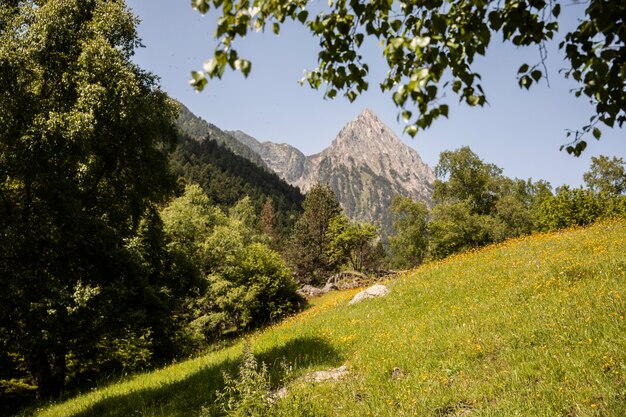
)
(327, 375)
(397, 374)
(274, 395)
(328, 287)
(318, 376)
(377, 290)
(348, 280)
(310, 291)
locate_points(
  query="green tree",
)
(409, 241)
(188, 220)
(455, 228)
(518, 204)
(606, 176)
(569, 207)
(578, 207)
(308, 245)
(430, 49)
(476, 205)
(350, 242)
(246, 284)
(83, 135)
(463, 176)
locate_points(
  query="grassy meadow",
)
(529, 327)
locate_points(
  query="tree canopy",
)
(430, 48)
(606, 175)
(83, 135)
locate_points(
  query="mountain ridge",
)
(365, 165)
(228, 170)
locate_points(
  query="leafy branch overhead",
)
(430, 47)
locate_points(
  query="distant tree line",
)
(475, 205)
(227, 177)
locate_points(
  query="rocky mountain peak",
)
(367, 134)
(366, 164)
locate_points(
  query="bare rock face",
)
(366, 165)
(288, 162)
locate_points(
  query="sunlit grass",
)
(531, 327)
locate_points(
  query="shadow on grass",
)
(186, 397)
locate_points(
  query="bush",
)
(578, 207)
(454, 228)
(255, 289)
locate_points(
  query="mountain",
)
(366, 165)
(227, 170)
(196, 128)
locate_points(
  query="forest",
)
(126, 244)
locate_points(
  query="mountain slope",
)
(226, 169)
(196, 128)
(532, 327)
(365, 165)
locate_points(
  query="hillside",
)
(532, 327)
(226, 169)
(365, 165)
(197, 128)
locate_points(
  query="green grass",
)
(531, 327)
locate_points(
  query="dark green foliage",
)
(596, 50)
(226, 178)
(255, 288)
(83, 135)
(455, 228)
(195, 128)
(308, 246)
(247, 283)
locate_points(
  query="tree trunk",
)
(48, 370)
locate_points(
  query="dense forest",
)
(227, 177)
(132, 234)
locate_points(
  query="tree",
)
(569, 207)
(409, 241)
(463, 176)
(83, 140)
(308, 245)
(476, 205)
(268, 222)
(350, 241)
(455, 228)
(430, 49)
(606, 176)
(246, 283)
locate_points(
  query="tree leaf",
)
(597, 133)
(536, 74)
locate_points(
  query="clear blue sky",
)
(520, 131)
